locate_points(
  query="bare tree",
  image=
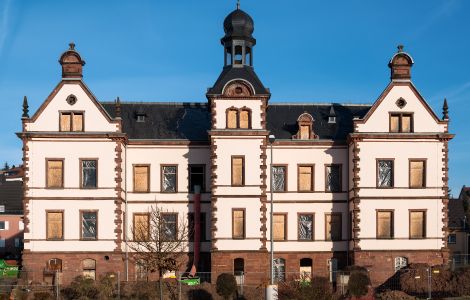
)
(159, 241)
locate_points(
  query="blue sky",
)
(327, 51)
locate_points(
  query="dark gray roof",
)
(192, 120)
(282, 119)
(238, 72)
(11, 195)
(456, 213)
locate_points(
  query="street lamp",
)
(271, 292)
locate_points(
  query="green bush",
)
(226, 285)
(319, 289)
(358, 283)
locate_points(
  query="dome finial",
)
(400, 48)
(238, 4)
(72, 46)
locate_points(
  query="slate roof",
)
(11, 195)
(456, 213)
(230, 73)
(191, 121)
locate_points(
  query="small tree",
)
(226, 285)
(159, 242)
(358, 283)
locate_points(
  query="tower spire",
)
(238, 4)
(445, 110)
(117, 107)
(25, 108)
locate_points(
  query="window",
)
(54, 265)
(333, 231)
(89, 178)
(55, 225)
(305, 127)
(197, 176)
(192, 226)
(333, 178)
(400, 263)
(305, 180)
(306, 265)
(238, 223)
(384, 224)
(239, 269)
(142, 178)
(417, 224)
(89, 268)
(305, 223)
(238, 170)
(55, 173)
(304, 132)
(141, 270)
(245, 119)
(401, 122)
(141, 118)
(232, 116)
(279, 227)
(2, 208)
(169, 182)
(170, 226)
(3, 225)
(279, 178)
(71, 121)
(89, 227)
(384, 173)
(452, 238)
(279, 266)
(2, 243)
(141, 227)
(417, 173)
(18, 243)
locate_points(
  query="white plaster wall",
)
(379, 120)
(94, 120)
(223, 104)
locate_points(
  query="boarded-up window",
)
(305, 178)
(77, 122)
(238, 223)
(141, 178)
(406, 123)
(89, 222)
(89, 268)
(238, 176)
(401, 122)
(65, 121)
(385, 173)
(55, 222)
(197, 177)
(169, 227)
(279, 227)
(55, 174)
(71, 121)
(54, 265)
(244, 119)
(417, 224)
(304, 132)
(232, 115)
(384, 224)
(141, 227)
(333, 227)
(279, 179)
(417, 173)
(333, 178)
(89, 173)
(394, 123)
(169, 179)
(305, 227)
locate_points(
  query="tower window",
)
(401, 122)
(238, 55)
(232, 116)
(71, 121)
(244, 119)
(305, 123)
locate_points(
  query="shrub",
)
(414, 281)
(226, 285)
(394, 295)
(358, 283)
(81, 287)
(43, 296)
(319, 289)
(460, 285)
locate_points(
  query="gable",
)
(95, 117)
(378, 117)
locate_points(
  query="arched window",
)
(305, 123)
(54, 265)
(279, 266)
(306, 269)
(400, 262)
(232, 116)
(245, 118)
(239, 270)
(89, 268)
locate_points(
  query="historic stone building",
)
(352, 184)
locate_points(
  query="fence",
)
(460, 260)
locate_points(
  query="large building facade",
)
(352, 184)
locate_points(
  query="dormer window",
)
(305, 123)
(332, 116)
(141, 118)
(401, 122)
(71, 121)
(331, 120)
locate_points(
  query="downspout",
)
(197, 228)
(126, 213)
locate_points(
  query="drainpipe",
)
(197, 228)
(126, 214)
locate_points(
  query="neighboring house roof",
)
(11, 196)
(13, 173)
(456, 214)
(465, 193)
(191, 121)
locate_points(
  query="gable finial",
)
(400, 48)
(238, 4)
(25, 108)
(71, 46)
(117, 107)
(445, 110)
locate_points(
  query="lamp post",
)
(271, 292)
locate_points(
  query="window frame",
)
(392, 223)
(285, 166)
(340, 190)
(203, 187)
(162, 167)
(133, 226)
(81, 172)
(285, 215)
(72, 113)
(89, 269)
(47, 170)
(61, 211)
(312, 188)
(424, 211)
(237, 116)
(81, 211)
(162, 215)
(377, 160)
(424, 160)
(148, 178)
(454, 239)
(233, 223)
(340, 223)
(313, 226)
(243, 170)
(400, 122)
